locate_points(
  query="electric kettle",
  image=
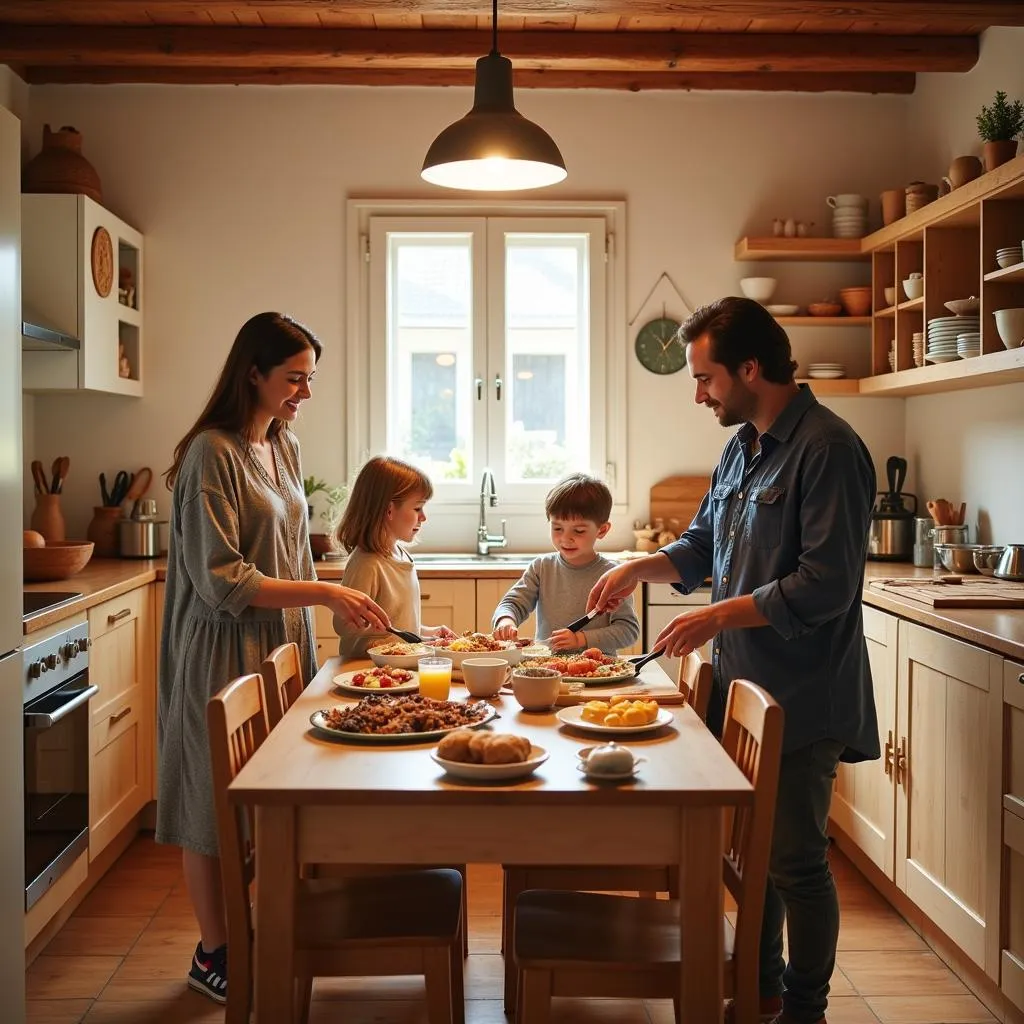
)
(891, 533)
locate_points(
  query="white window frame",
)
(366, 362)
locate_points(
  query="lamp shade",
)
(493, 148)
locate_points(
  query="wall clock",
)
(102, 262)
(658, 348)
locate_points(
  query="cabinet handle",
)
(901, 763)
(888, 755)
(1020, 678)
(479, 388)
(424, 597)
(118, 616)
(497, 386)
(114, 719)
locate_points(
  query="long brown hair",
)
(382, 480)
(264, 341)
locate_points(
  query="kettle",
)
(891, 533)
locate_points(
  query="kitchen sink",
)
(471, 558)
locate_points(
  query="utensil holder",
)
(102, 530)
(47, 518)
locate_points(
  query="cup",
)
(536, 688)
(484, 676)
(435, 677)
(894, 205)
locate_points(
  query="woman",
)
(240, 581)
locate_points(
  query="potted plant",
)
(310, 485)
(999, 125)
(335, 497)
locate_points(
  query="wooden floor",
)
(123, 957)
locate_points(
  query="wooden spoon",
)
(962, 514)
(935, 512)
(139, 485)
(39, 476)
(62, 473)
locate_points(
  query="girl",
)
(384, 513)
(239, 580)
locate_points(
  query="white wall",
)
(969, 445)
(240, 194)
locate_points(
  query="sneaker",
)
(769, 1009)
(209, 973)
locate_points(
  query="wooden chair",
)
(592, 944)
(282, 685)
(695, 680)
(405, 924)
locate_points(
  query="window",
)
(488, 347)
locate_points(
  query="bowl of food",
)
(55, 561)
(760, 289)
(535, 687)
(476, 645)
(398, 654)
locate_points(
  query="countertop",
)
(999, 631)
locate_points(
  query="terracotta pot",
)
(102, 530)
(962, 170)
(920, 194)
(47, 518)
(60, 167)
(997, 153)
(894, 205)
(321, 544)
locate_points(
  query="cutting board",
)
(678, 497)
(971, 593)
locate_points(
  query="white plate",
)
(317, 721)
(941, 358)
(343, 681)
(573, 715)
(826, 374)
(400, 660)
(493, 772)
(601, 680)
(606, 776)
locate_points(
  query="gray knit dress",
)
(231, 526)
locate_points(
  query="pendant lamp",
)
(493, 148)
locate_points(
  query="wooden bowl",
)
(56, 561)
(824, 309)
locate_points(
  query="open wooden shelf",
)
(1014, 273)
(917, 303)
(961, 375)
(824, 321)
(845, 386)
(889, 311)
(809, 249)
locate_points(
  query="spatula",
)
(639, 660)
(407, 635)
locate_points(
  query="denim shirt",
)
(789, 525)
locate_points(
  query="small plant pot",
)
(321, 544)
(1000, 152)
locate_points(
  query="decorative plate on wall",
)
(102, 262)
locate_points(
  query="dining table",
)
(370, 801)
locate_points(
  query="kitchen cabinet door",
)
(1012, 953)
(448, 602)
(123, 714)
(864, 800)
(949, 779)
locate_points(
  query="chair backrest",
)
(236, 721)
(282, 680)
(696, 678)
(753, 739)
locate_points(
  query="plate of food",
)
(412, 718)
(616, 716)
(493, 756)
(591, 668)
(473, 645)
(380, 678)
(398, 654)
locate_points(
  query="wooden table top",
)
(297, 766)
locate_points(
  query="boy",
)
(558, 585)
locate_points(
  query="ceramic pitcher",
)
(47, 518)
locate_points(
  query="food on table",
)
(472, 643)
(381, 678)
(399, 649)
(591, 664)
(620, 711)
(384, 715)
(484, 747)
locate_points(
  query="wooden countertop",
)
(999, 631)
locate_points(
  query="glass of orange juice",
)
(435, 677)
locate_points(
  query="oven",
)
(56, 715)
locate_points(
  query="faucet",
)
(484, 540)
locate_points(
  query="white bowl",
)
(509, 653)
(760, 289)
(913, 288)
(783, 310)
(1010, 325)
(890, 295)
(484, 676)
(410, 660)
(1009, 260)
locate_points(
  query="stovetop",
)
(36, 602)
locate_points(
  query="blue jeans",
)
(801, 890)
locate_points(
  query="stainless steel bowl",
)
(1011, 565)
(986, 558)
(957, 557)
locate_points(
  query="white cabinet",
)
(661, 604)
(82, 271)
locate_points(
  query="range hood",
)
(38, 335)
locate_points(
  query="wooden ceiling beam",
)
(631, 52)
(962, 14)
(891, 82)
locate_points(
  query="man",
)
(783, 534)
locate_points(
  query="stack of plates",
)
(917, 343)
(942, 336)
(826, 371)
(1010, 255)
(968, 344)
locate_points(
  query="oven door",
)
(56, 783)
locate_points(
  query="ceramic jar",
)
(47, 518)
(894, 205)
(60, 167)
(102, 530)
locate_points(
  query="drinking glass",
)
(435, 677)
